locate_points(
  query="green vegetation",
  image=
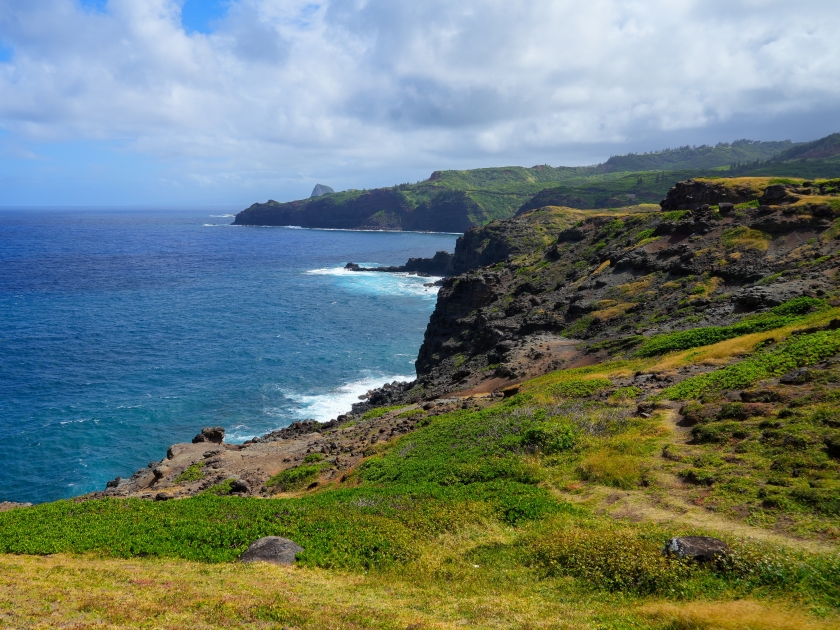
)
(194, 472)
(580, 388)
(294, 478)
(798, 352)
(783, 315)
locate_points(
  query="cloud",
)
(287, 90)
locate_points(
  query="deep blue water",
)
(122, 332)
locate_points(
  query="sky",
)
(228, 102)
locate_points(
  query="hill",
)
(591, 384)
(452, 201)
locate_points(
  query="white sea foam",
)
(222, 216)
(326, 406)
(380, 282)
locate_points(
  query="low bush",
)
(579, 387)
(294, 478)
(610, 557)
(193, 472)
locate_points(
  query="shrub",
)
(193, 472)
(715, 432)
(579, 387)
(550, 437)
(294, 478)
(610, 557)
(612, 469)
(311, 458)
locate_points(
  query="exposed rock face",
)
(698, 548)
(525, 284)
(320, 190)
(9, 505)
(272, 549)
(216, 435)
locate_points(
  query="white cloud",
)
(288, 90)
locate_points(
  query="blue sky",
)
(197, 16)
(227, 102)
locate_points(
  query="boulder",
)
(797, 377)
(272, 549)
(216, 435)
(240, 486)
(698, 548)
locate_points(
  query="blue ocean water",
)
(122, 332)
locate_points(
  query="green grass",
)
(798, 352)
(491, 470)
(783, 315)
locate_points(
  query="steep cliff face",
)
(529, 285)
(380, 209)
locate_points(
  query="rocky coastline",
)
(551, 288)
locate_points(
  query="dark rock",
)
(698, 548)
(272, 549)
(725, 207)
(240, 486)
(113, 483)
(162, 496)
(752, 298)
(438, 265)
(216, 435)
(796, 377)
(761, 396)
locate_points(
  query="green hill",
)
(452, 201)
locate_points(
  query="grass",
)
(193, 472)
(798, 352)
(745, 237)
(780, 316)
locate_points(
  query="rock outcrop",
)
(272, 549)
(439, 265)
(320, 190)
(697, 548)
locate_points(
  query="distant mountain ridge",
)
(452, 201)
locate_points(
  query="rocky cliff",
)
(715, 250)
(560, 288)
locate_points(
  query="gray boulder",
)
(272, 549)
(797, 377)
(699, 548)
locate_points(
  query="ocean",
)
(124, 331)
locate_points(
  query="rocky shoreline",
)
(552, 288)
